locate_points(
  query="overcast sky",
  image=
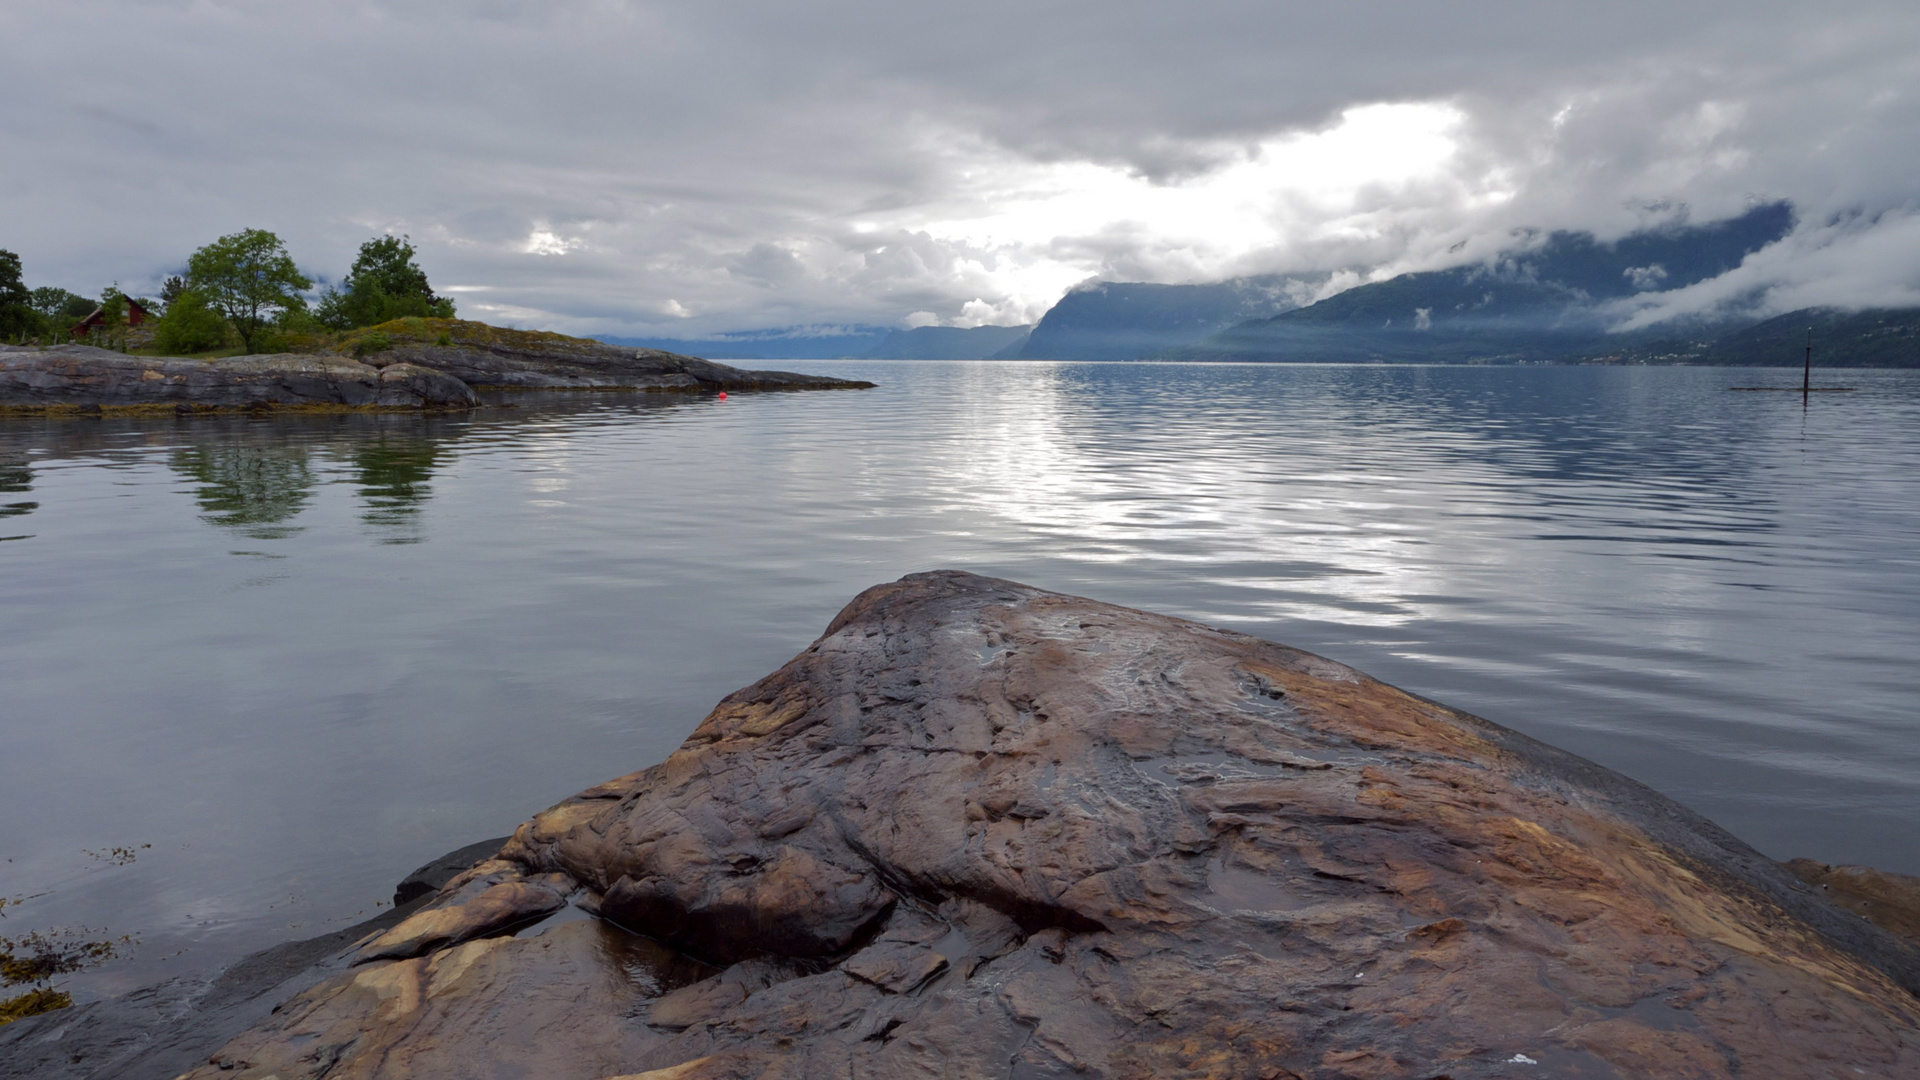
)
(682, 169)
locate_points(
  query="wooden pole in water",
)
(1806, 374)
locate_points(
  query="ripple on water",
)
(302, 655)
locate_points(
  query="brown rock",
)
(562, 997)
(1889, 901)
(895, 967)
(980, 830)
(493, 909)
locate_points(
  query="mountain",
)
(949, 343)
(1544, 300)
(1880, 337)
(1125, 320)
(826, 342)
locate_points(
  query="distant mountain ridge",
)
(1552, 298)
(1546, 301)
(1874, 337)
(1126, 320)
(950, 343)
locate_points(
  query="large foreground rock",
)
(981, 830)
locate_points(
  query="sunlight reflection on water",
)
(303, 655)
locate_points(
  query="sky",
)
(621, 168)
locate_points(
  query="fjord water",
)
(301, 655)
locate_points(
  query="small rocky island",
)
(406, 364)
(982, 830)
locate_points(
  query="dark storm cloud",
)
(617, 166)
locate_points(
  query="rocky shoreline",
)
(437, 366)
(160, 1031)
(982, 830)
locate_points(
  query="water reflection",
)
(392, 471)
(15, 479)
(256, 477)
(1697, 590)
(253, 488)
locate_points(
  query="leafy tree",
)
(113, 305)
(60, 306)
(250, 277)
(17, 317)
(190, 325)
(385, 283)
(171, 288)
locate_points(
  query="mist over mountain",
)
(1550, 296)
(1547, 297)
(1120, 320)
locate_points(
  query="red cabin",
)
(135, 316)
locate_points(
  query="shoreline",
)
(873, 837)
(436, 366)
(158, 1031)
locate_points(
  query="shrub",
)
(368, 344)
(190, 326)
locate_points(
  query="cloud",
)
(1854, 261)
(622, 167)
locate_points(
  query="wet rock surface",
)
(981, 830)
(483, 901)
(405, 375)
(159, 1031)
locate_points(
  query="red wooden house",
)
(135, 316)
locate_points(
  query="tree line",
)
(242, 288)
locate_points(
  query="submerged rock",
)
(982, 830)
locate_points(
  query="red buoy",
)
(723, 395)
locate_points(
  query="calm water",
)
(301, 656)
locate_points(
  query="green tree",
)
(171, 288)
(61, 308)
(17, 317)
(384, 283)
(250, 277)
(190, 325)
